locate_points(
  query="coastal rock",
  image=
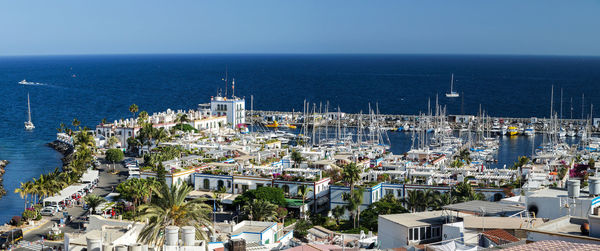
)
(3, 164)
(65, 149)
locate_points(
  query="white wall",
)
(554, 207)
(391, 234)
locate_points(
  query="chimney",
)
(121, 248)
(171, 236)
(594, 186)
(135, 247)
(188, 235)
(94, 244)
(573, 188)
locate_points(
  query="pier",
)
(393, 121)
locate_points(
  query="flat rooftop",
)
(251, 227)
(495, 222)
(485, 207)
(556, 192)
(417, 219)
(563, 225)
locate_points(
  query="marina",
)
(299, 126)
(222, 142)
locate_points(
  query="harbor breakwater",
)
(65, 149)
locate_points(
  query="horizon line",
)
(297, 54)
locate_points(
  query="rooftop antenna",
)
(233, 88)
(225, 79)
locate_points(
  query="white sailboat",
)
(28, 124)
(452, 93)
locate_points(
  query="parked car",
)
(10, 238)
(48, 211)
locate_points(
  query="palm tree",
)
(354, 200)
(182, 118)
(443, 200)
(218, 195)
(260, 210)
(337, 212)
(142, 117)
(351, 175)
(171, 209)
(112, 141)
(103, 121)
(161, 135)
(464, 192)
(303, 191)
(133, 109)
(93, 201)
(413, 200)
(84, 138)
(24, 191)
(281, 214)
(297, 158)
(76, 122)
(465, 155)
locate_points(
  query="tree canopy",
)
(114, 155)
(273, 195)
(388, 205)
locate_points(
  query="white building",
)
(262, 233)
(233, 108)
(212, 123)
(409, 229)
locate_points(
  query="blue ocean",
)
(90, 88)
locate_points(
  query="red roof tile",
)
(551, 245)
(500, 236)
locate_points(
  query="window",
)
(428, 233)
(244, 188)
(286, 189)
(259, 185)
(206, 184)
(220, 184)
(435, 232)
(228, 184)
(415, 234)
(389, 191)
(422, 233)
(129, 134)
(410, 234)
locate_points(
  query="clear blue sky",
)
(546, 27)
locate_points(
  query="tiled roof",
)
(500, 236)
(551, 245)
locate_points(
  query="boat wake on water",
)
(25, 82)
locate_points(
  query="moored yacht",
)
(529, 131)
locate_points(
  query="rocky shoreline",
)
(65, 149)
(3, 164)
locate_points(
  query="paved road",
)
(107, 182)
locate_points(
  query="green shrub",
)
(301, 228)
(29, 214)
(55, 237)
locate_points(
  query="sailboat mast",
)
(452, 83)
(28, 109)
